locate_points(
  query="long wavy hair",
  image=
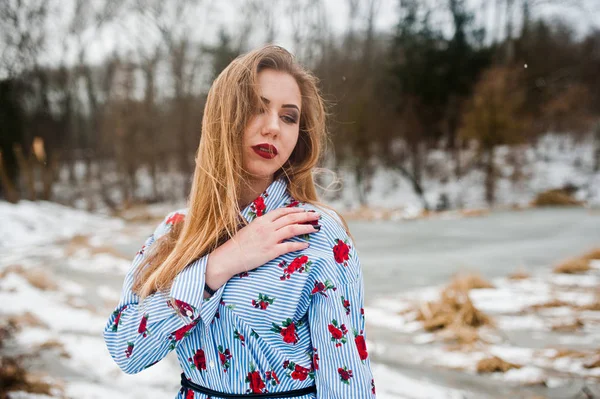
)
(213, 214)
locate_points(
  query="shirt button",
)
(212, 364)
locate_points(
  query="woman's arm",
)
(138, 335)
(337, 326)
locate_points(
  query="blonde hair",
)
(213, 211)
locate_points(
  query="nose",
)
(271, 124)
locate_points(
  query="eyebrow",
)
(267, 101)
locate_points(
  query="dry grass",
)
(593, 363)
(556, 197)
(79, 241)
(474, 212)
(36, 277)
(495, 364)
(572, 326)
(26, 319)
(554, 303)
(466, 282)
(54, 344)
(573, 266)
(519, 275)
(455, 311)
(592, 255)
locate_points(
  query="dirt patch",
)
(495, 364)
(556, 197)
(573, 266)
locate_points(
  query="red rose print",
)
(289, 334)
(262, 302)
(176, 218)
(361, 346)
(180, 333)
(292, 204)
(321, 288)
(199, 360)
(271, 376)
(129, 349)
(335, 332)
(287, 330)
(338, 333)
(346, 305)
(224, 357)
(341, 252)
(298, 372)
(189, 394)
(237, 335)
(142, 328)
(315, 358)
(184, 308)
(117, 314)
(345, 374)
(373, 386)
(257, 385)
(299, 264)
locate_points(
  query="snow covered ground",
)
(60, 278)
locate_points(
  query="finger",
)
(291, 246)
(279, 212)
(295, 218)
(293, 230)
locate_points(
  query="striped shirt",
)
(295, 321)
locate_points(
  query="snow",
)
(71, 326)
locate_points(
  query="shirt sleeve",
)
(337, 327)
(138, 335)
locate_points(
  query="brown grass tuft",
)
(495, 364)
(573, 266)
(575, 325)
(556, 197)
(54, 344)
(592, 255)
(26, 319)
(593, 363)
(554, 303)
(40, 279)
(519, 275)
(466, 282)
(454, 308)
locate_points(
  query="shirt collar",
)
(272, 198)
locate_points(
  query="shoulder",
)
(171, 219)
(333, 249)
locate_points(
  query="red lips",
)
(265, 150)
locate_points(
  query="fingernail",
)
(311, 210)
(317, 227)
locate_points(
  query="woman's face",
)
(270, 137)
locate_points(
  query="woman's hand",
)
(259, 242)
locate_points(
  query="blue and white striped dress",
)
(293, 322)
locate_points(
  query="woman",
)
(259, 292)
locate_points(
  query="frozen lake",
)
(397, 256)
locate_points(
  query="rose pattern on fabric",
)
(341, 252)
(300, 264)
(117, 313)
(129, 349)
(322, 287)
(345, 374)
(361, 346)
(143, 327)
(184, 309)
(297, 372)
(338, 333)
(198, 361)
(287, 330)
(258, 206)
(176, 218)
(181, 333)
(224, 357)
(263, 301)
(346, 304)
(315, 359)
(238, 336)
(253, 378)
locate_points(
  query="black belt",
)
(288, 394)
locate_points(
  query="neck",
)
(252, 188)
